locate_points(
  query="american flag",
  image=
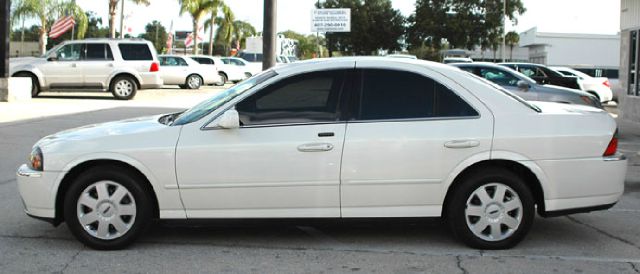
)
(61, 26)
(189, 41)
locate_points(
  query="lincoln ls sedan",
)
(334, 138)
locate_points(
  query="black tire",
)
(197, 81)
(35, 85)
(183, 86)
(123, 87)
(132, 183)
(223, 79)
(487, 177)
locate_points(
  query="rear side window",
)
(135, 52)
(390, 94)
(98, 52)
(204, 61)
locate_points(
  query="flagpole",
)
(73, 29)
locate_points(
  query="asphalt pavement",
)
(598, 242)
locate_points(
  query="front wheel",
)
(35, 85)
(193, 82)
(491, 209)
(107, 208)
(223, 79)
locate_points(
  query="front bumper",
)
(36, 191)
(583, 183)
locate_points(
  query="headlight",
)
(36, 161)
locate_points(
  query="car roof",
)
(289, 67)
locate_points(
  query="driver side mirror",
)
(229, 119)
(52, 58)
(523, 85)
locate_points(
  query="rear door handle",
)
(462, 144)
(315, 147)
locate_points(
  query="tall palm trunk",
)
(510, 52)
(112, 18)
(213, 18)
(42, 41)
(194, 34)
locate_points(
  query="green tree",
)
(375, 26)
(46, 12)
(226, 28)
(511, 39)
(94, 27)
(113, 6)
(157, 34)
(198, 9)
(462, 23)
(307, 45)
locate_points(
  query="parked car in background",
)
(526, 87)
(544, 75)
(119, 66)
(444, 143)
(247, 67)
(611, 73)
(228, 73)
(452, 60)
(597, 86)
(399, 55)
(185, 72)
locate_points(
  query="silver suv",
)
(120, 66)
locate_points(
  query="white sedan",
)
(226, 71)
(334, 138)
(597, 86)
(186, 73)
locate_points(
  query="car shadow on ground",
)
(106, 96)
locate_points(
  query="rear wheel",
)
(35, 86)
(491, 209)
(123, 88)
(107, 208)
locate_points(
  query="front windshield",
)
(207, 106)
(50, 51)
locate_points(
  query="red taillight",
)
(606, 83)
(154, 67)
(613, 146)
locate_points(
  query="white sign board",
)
(331, 20)
(254, 45)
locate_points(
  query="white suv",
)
(121, 66)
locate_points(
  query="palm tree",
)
(511, 38)
(113, 6)
(242, 30)
(198, 9)
(226, 28)
(46, 11)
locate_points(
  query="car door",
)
(534, 73)
(173, 70)
(62, 71)
(283, 161)
(97, 66)
(404, 139)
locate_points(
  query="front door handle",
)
(462, 144)
(73, 65)
(315, 147)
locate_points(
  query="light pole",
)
(504, 28)
(269, 34)
(122, 20)
(5, 7)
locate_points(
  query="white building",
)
(572, 49)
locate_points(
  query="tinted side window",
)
(98, 52)
(135, 52)
(310, 97)
(409, 95)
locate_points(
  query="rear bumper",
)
(583, 183)
(150, 80)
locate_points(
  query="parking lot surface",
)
(598, 242)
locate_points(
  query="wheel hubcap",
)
(493, 212)
(194, 81)
(106, 210)
(124, 88)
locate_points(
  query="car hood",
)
(19, 61)
(120, 128)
